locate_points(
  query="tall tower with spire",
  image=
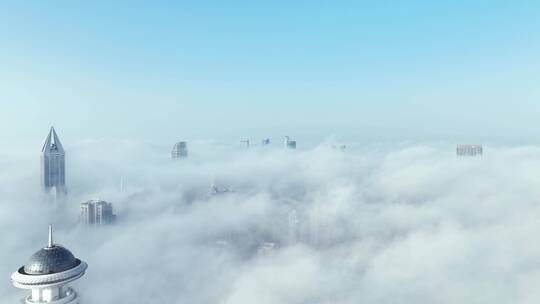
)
(47, 273)
(53, 166)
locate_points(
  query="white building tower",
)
(47, 273)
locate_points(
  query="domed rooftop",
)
(51, 259)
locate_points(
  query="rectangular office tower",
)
(179, 150)
(290, 144)
(97, 212)
(53, 173)
(469, 150)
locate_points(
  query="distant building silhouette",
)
(97, 212)
(265, 142)
(469, 150)
(179, 150)
(293, 230)
(290, 144)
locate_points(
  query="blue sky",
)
(163, 71)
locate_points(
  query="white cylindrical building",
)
(47, 273)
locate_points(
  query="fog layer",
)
(408, 224)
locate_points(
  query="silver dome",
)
(50, 260)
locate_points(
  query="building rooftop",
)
(51, 259)
(52, 143)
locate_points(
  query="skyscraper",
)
(97, 212)
(293, 232)
(53, 174)
(290, 144)
(469, 150)
(47, 272)
(179, 150)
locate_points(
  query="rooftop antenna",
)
(51, 244)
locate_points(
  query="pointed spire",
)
(51, 142)
(57, 142)
(47, 143)
(50, 244)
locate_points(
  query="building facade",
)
(469, 150)
(97, 212)
(179, 150)
(290, 144)
(53, 168)
(293, 229)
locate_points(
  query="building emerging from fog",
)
(469, 150)
(179, 150)
(290, 144)
(293, 231)
(266, 249)
(53, 168)
(47, 273)
(97, 212)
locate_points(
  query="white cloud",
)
(399, 225)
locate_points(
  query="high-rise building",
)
(293, 231)
(97, 212)
(290, 144)
(469, 150)
(321, 228)
(179, 150)
(53, 169)
(87, 215)
(47, 273)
